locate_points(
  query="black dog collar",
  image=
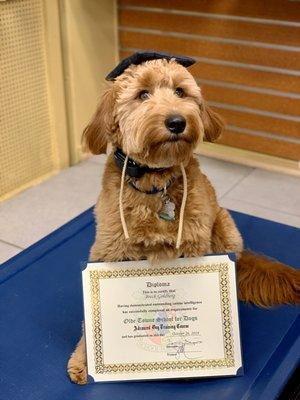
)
(133, 169)
(153, 190)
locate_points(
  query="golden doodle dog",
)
(155, 202)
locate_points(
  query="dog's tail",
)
(267, 282)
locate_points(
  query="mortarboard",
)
(140, 57)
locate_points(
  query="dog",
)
(154, 116)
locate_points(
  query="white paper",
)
(175, 319)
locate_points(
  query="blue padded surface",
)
(41, 313)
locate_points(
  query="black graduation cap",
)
(142, 56)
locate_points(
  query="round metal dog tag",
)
(167, 212)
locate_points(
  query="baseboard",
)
(249, 158)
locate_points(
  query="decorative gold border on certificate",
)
(227, 361)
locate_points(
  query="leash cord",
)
(124, 226)
(182, 207)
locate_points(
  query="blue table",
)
(41, 313)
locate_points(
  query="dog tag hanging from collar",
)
(167, 213)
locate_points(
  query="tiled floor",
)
(38, 211)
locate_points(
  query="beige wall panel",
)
(28, 149)
(56, 87)
(90, 51)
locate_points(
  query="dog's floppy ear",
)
(212, 122)
(96, 135)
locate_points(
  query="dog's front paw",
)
(77, 371)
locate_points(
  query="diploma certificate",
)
(175, 319)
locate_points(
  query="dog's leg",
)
(225, 236)
(77, 369)
(261, 281)
(77, 365)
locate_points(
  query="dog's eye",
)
(179, 92)
(144, 95)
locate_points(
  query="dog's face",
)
(155, 113)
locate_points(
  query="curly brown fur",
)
(267, 282)
(138, 127)
(77, 364)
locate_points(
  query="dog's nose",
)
(175, 123)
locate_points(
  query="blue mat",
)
(41, 313)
